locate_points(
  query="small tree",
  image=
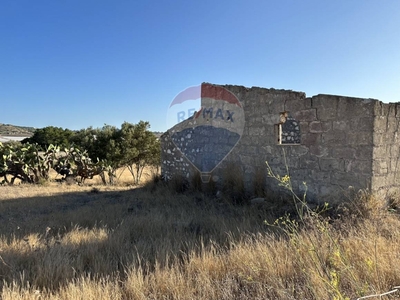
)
(50, 135)
(139, 148)
(109, 149)
(133, 146)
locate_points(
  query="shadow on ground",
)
(49, 240)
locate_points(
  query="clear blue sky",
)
(75, 64)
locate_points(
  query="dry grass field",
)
(61, 241)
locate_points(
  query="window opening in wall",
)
(288, 130)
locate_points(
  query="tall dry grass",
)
(95, 242)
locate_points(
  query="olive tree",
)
(139, 148)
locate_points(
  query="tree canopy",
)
(132, 146)
(139, 148)
(50, 135)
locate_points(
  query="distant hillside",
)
(158, 133)
(12, 130)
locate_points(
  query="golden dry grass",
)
(95, 242)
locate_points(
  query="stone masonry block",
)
(341, 125)
(319, 151)
(320, 176)
(304, 127)
(325, 191)
(270, 119)
(395, 166)
(392, 125)
(305, 115)
(380, 167)
(325, 102)
(380, 124)
(326, 114)
(334, 137)
(246, 159)
(252, 150)
(344, 179)
(380, 109)
(326, 126)
(362, 152)
(318, 126)
(315, 127)
(358, 166)
(255, 120)
(343, 152)
(276, 109)
(392, 110)
(308, 163)
(355, 107)
(297, 104)
(257, 131)
(309, 139)
(360, 138)
(379, 139)
(394, 151)
(300, 175)
(379, 181)
(297, 151)
(381, 151)
(245, 140)
(331, 164)
(362, 124)
(292, 163)
(265, 140)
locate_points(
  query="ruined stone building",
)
(329, 142)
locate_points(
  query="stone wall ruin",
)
(329, 142)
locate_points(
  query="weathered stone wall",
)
(260, 141)
(172, 160)
(344, 142)
(386, 143)
(338, 134)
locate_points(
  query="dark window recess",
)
(288, 130)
